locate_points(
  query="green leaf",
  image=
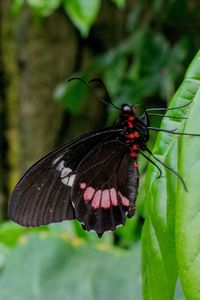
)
(72, 95)
(119, 3)
(16, 6)
(188, 204)
(160, 269)
(10, 233)
(42, 7)
(82, 13)
(51, 268)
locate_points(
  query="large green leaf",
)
(82, 13)
(44, 266)
(160, 268)
(188, 205)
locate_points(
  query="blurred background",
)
(140, 49)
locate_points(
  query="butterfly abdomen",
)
(133, 186)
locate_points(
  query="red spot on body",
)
(124, 200)
(130, 118)
(105, 199)
(88, 194)
(135, 164)
(133, 154)
(82, 185)
(113, 196)
(133, 135)
(130, 125)
(135, 147)
(96, 200)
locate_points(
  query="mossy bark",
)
(35, 56)
(9, 142)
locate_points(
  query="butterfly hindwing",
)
(103, 191)
(44, 194)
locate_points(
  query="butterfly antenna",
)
(93, 92)
(88, 86)
(108, 99)
(171, 108)
(77, 78)
(169, 168)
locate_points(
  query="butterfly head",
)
(128, 109)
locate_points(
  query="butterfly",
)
(93, 179)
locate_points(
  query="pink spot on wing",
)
(82, 185)
(113, 196)
(96, 199)
(105, 200)
(124, 200)
(88, 194)
(102, 198)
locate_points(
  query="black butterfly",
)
(93, 179)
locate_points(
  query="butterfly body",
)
(93, 179)
(136, 133)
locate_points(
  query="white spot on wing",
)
(57, 159)
(60, 166)
(65, 176)
(71, 180)
(65, 172)
(65, 180)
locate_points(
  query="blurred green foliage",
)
(82, 12)
(56, 265)
(132, 73)
(145, 67)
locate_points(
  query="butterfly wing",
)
(105, 187)
(43, 195)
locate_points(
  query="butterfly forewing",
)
(44, 194)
